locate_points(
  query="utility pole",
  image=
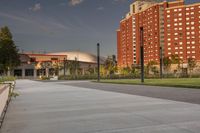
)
(98, 61)
(142, 54)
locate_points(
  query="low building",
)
(53, 64)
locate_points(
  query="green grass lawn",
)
(179, 82)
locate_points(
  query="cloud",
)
(75, 2)
(62, 4)
(14, 17)
(120, 0)
(43, 25)
(36, 7)
(100, 8)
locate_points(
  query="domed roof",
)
(80, 56)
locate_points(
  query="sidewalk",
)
(57, 108)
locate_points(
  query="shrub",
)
(7, 78)
(44, 78)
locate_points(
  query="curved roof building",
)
(80, 56)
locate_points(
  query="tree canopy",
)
(5, 33)
(9, 57)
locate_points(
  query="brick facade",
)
(172, 27)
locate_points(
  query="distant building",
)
(51, 64)
(172, 27)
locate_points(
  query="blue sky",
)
(64, 25)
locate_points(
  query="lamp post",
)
(98, 61)
(161, 63)
(64, 67)
(142, 54)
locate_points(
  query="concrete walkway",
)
(58, 108)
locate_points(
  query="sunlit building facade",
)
(34, 65)
(169, 28)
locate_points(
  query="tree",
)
(110, 65)
(57, 66)
(45, 66)
(9, 57)
(5, 33)
(151, 67)
(126, 71)
(167, 62)
(73, 67)
(191, 65)
(175, 59)
(91, 70)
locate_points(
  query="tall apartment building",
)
(172, 27)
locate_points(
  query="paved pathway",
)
(58, 108)
(171, 93)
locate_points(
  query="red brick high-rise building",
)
(172, 27)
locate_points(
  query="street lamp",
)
(142, 53)
(98, 61)
(161, 62)
(64, 67)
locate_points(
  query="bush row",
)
(7, 78)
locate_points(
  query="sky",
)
(64, 25)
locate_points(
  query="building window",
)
(29, 72)
(33, 60)
(54, 59)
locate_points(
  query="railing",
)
(6, 90)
